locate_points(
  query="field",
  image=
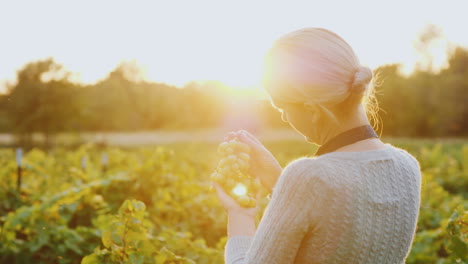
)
(153, 204)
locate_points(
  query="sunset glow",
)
(177, 42)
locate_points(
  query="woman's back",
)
(361, 207)
(369, 205)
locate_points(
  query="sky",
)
(180, 41)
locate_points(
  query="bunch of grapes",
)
(232, 173)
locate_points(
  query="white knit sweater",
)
(341, 207)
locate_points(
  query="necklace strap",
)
(346, 138)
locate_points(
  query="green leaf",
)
(459, 247)
(90, 259)
(106, 238)
(136, 258)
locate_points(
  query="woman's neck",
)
(356, 120)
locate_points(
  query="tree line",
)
(44, 100)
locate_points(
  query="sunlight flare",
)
(239, 190)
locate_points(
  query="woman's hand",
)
(231, 206)
(241, 221)
(262, 163)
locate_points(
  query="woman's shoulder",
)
(333, 164)
(303, 166)
(409, 157)
(303, 170)
(388, 151)
(299, 177)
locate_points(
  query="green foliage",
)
(128, 238)
(423, 104)
(43, 100)
(41, 231)
(153, 204)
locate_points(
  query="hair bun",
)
(362, 77)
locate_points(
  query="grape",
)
(243, 200)
(232, 171)
(232, 159)
(252, 202)
(229, 150)
(217, 177)
(244, 156)
(223, 162)
(225, 170)
(222, 147)
(229, 183)
(243, 165)
(235, 167)
(246, 201)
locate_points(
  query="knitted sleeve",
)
(285, 221)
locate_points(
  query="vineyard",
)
(154, 204)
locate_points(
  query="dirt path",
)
(155, 137)
(167, 137)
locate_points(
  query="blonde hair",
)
(317, 68)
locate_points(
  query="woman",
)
(357, 200)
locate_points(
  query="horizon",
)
(213, 44)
